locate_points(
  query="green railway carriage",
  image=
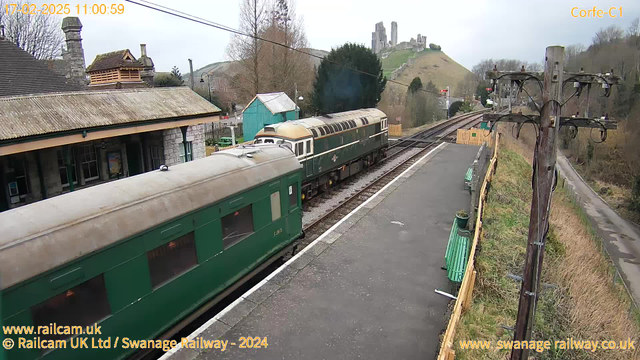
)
(138, 255)
(332, 147)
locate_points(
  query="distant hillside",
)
(429, 65)
(230, 68)
(218, 69)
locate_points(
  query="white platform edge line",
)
(257, 286)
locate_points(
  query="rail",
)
(463, 302)
(387, 174)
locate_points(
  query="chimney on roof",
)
(74, 55)
(149, 70)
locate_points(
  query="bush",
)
(454, 108)
(210, 142)
(433, 46)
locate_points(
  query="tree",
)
(38, 34)
(482, 92)
(341, 83)
(611, 34)
(433, 46)
(481, 68)
(285, 68)
(416, 84)
(454, 108)
(467, 86)
(246, 49)
(166, 80)
(175, 72)
(431, 87)
(634, 28)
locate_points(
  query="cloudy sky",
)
(468, 31)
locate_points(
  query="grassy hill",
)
(429, 65)
(397, 58)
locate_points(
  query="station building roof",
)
(38, 116)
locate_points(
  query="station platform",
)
(365, 288)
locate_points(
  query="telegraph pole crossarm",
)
(519, 118)
(551, 85)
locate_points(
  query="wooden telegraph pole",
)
(544, 163)
(543, 180)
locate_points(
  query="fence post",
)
(466, 303)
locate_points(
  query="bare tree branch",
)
(39, 35)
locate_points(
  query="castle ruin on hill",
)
(380, 44)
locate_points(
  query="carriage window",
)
(258, 141)
(275, 206)
(237, 226)
(309, 147)
(300, 148)
(268, 141)
(82, 305)
(321, 131)
(293, 195)
(172, 259)
(314, 132)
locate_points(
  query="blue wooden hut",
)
(266, 109)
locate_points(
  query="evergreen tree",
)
(175, 72)
(338, 87)
(416, 84)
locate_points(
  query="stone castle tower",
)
(394, 33)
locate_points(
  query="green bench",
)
(457, 253)
(468, 177)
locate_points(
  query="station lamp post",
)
(208, 83)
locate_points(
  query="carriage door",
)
(308, 148)
(294, 218)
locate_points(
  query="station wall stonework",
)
(173, 148)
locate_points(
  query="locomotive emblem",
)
(334, 158)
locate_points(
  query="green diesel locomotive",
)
(332, 147)
(136, 256)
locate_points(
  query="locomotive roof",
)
(298, 129)
(44, 235)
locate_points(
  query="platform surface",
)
(366, 288)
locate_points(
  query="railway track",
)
(401, 147)
(426, 139)
(437, 134)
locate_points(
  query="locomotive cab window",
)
(172, 259)
(308, 147)
(237, 226)
(82, 305)
(300, 149)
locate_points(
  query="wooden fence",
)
(463, 302)
(473, 136)
(395, 130)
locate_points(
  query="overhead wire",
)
(189, 17)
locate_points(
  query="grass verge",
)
(583, 301)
